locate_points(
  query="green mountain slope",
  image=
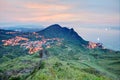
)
(4, 35)
(67, 61)
(69, 35)
(62, 64)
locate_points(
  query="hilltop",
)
(62, 32)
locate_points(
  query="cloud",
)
(57, 11)
(46, 18)
(46, 6)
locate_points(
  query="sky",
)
(73, 13)
(94, 20)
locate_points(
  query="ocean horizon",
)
(110, 38)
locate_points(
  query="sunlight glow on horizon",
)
(66, 12)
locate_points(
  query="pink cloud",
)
(46, 6)
(45, 12)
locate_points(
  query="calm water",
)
(109, 37)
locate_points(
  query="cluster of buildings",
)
(32, 46)
(14, 41)
(93, 45)
(35, 46)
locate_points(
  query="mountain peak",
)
(69, 35)
(55, 26)
(72, 29)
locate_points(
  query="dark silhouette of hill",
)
(69, 35)
(4, 35)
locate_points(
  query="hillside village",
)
(34, 42)
(32, 46)
(93, 45)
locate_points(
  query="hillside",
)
(69, 35)
(55, 53)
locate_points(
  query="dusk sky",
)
(84, 13)
(94, 20)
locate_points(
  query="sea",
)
(109, 37)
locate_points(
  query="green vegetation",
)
(10, 52)
(66, 62)
(56, 69)
(53, 69)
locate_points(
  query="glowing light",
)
(106, 29)
(98, 39)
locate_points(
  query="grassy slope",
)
(66, 62)
(53, 69)
(106, 62)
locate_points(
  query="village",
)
(36, 45)
(32, 46)
(92, 45)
